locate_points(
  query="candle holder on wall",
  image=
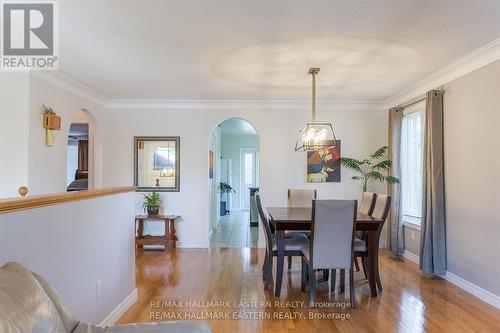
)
(51, 123)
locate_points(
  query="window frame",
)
(411, 221)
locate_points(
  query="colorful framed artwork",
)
(323, 166)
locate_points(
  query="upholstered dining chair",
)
(300, 198)
(380, 212)
(367, 203)
(331, 244)
(366, 207)
(293, 245)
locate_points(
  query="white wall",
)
(14, 133)
(25, 159)
(47, 165)
(231, 145)
(361, 132)
(74, 245)
(472, 180)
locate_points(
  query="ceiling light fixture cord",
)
(313, 71)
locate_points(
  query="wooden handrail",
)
(36, 201)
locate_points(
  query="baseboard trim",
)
(192, 245)
(117, 312)
(473, 289)
(463, 284)
(411, 256)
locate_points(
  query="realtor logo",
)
(29, 32)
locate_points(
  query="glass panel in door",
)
(249, 175)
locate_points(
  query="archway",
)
(84, 169)
(233, 175)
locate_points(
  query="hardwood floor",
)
(410, 301)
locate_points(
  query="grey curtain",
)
(396, 237)
(433, 225)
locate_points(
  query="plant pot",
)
(153, 211)
(223, 210)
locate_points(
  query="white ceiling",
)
(236, 126)
(257, 49)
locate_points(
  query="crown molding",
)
(178, 104)
(465, 65)
(71, 85)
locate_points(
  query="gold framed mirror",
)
(156, 163)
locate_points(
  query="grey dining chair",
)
(380, 212)
(331, 245)
(366, 207)
(300, 198)
(293, 245)
(367, 203)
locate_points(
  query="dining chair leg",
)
(351, 288)
(342, 280)
(365, 270)
(289, 262)
(264, 266)
(333, 273)
(312, 286)
(269, 273)
(303, 274)
(356, 264)
(379, 281)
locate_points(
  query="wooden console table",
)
(167, 240)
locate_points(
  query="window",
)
(249, 174)
(412, 143)
(72, 161)
(248, 169)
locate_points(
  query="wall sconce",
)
(51, 123)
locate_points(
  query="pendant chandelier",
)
(315, 136)
(167, 171)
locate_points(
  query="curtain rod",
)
(420, 99)
(413, 103)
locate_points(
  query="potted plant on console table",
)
(152, 204)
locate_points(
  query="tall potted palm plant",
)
(374, 168)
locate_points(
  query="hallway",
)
(234, 231)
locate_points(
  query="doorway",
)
(79, 153)
(233, 170)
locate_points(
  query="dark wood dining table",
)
(284, 218)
